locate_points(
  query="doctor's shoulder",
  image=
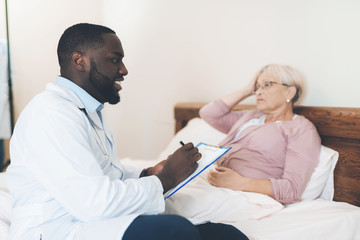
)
(50, 104)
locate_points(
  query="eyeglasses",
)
(267, 85)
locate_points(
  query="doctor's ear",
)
(78, 60)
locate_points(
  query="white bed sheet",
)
(315, 219)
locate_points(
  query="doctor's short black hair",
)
(80, 38)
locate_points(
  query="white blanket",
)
(202, 201)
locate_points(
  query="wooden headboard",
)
(339, 129)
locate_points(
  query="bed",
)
(339, 129)
(316, 217)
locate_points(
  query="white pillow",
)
(321, 183)
(197, 130)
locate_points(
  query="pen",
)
(182, 143)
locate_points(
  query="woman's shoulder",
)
(303, 122)
(299, 125)
(300, 130)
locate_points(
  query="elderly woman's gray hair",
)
(286, 75)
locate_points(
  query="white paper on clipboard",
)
(210, 154)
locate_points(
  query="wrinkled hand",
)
(179, 165)
(250, 87)
(227, 178)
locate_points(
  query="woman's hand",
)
(250, 87)
(234, 98)
(227, 178)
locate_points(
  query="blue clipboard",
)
(210, 154)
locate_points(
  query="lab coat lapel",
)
(96, 121)
(100, 122)
(106, 138)
(110, 141)
(94, 117)
(108, 134)
(101, 129)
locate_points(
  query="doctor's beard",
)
(104, 85)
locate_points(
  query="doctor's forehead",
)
(113, 44)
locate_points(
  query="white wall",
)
(192, 50)
(35, 28)
(198, 50)
(2, 20)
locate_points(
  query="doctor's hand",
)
(153, 170)
(179, 165)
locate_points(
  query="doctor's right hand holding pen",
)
(181, 164)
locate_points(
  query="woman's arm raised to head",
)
(234, 98)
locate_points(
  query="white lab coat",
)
(63, 186)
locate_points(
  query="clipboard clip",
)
(210, 145)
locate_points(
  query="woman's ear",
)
(291, 92)
(79, 61)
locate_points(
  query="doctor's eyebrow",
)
(119, 54)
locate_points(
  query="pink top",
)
(285, 152)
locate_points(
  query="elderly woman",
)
(274, 151)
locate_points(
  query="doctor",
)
(65, 174)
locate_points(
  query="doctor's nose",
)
(123, 70)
